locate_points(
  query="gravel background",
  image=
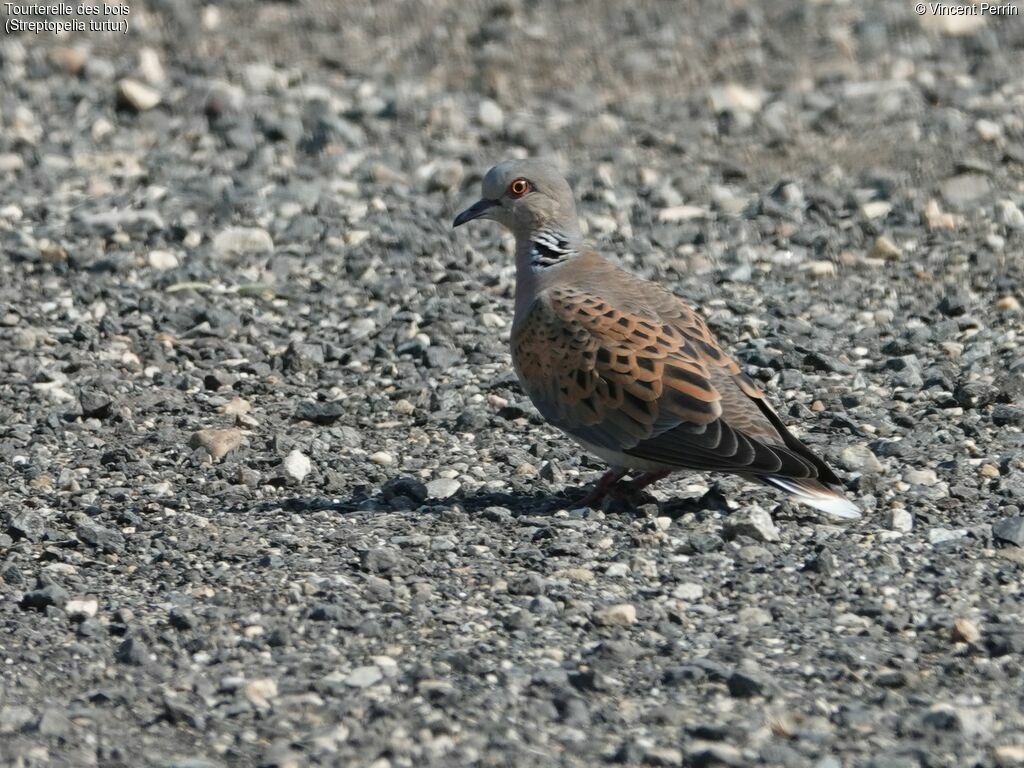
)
(270, 495)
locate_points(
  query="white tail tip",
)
(815, 494)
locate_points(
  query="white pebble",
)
(688, 590)
(988, 130)
(617, 570)
(297, 465)
(442, 488)
(364, 677)
(821, 268)
(920, 477)
(150, 68)
(260, 692)
(491, 115)
(876, 209)
(383, 458)
(137, 95)
(899, 520)
(621, 615)
(82, 609)
(235, 241)
(162, 260)
(491, 320)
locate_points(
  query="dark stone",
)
(618, 651)
(1002, 640)
(217, 379)
(107, 539)
(177, 710)
(471, 420)
(518, 620)
(441, 357)
(790, 378)
(180, 618)
(699, 668)
(714, 756)
(300, 356)
(327, 612)
(824, 563)
(974, 394)
(744, 685)
(287, 128)
(1010, 530)
(24, 524)
(408, 487)
(703, 543)
(893, 678)
(319, 413)
(942, 720)
(683, 675)
(528, 583)
(42, 598)
(903, 363)
(591, 680)
(1007, 415)
(497, 515)
(709, 731)
(818, 361)
(133, 651)
(383, 560)
(953, 305)
(95, 404)
(1012, 485)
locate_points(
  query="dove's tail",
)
(816, 494)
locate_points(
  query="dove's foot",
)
(602, 488)
(630, 495)
(640, 482)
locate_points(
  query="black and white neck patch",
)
(548, 248)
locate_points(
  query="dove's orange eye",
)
(518, 187)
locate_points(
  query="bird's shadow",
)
(474, 501)
(518, 504)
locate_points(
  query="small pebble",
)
(261, 692)
(81, 609)
(364, 677)
(297, 465)
(926, 477)
(136, 95)
(236, 406)
(383, 458)
(900, 520)
(236, 241)
(162, 260)
(965, 631)
(689, 591)
(621, 615)
(442, 488)
(885, 248)
(753, 522)
(217, 442)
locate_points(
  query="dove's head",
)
(528, 197)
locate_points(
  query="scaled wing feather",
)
(655, 385)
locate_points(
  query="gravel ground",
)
(271, 496)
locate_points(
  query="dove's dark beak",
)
(475, 211)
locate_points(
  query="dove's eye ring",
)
(518, 188)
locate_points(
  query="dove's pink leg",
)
(640, 482)
(605, 484)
